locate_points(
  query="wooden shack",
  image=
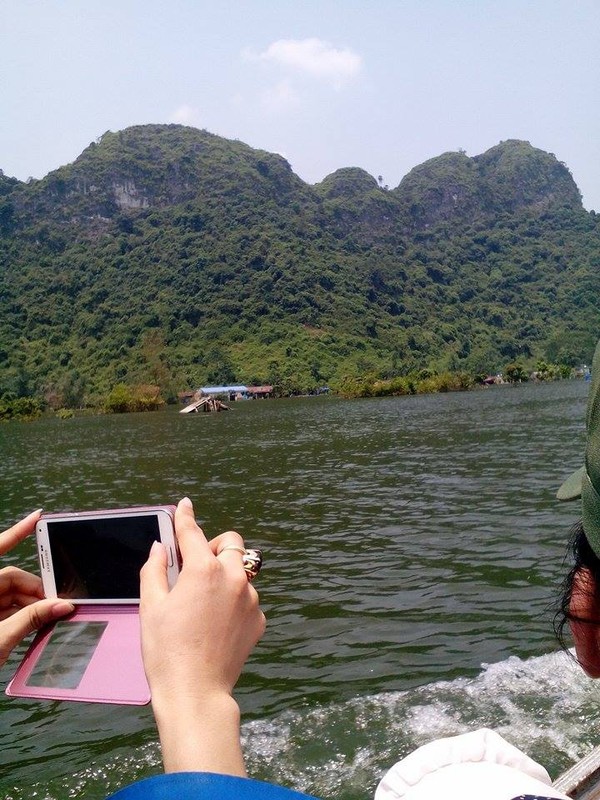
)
(204, 404)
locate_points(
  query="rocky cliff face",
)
(155, 166)
(507, 177)
(451, 188)
(158, 166)
(515, 175)
(349, 183)
(441, 189)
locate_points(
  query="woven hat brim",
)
(571, 488)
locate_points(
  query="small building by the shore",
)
(237, 392)
(259, 392)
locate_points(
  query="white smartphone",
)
(93, 557)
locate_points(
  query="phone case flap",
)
(92, 656)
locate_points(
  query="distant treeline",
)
(147, 397)
(426, 382)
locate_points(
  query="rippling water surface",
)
(413, 547)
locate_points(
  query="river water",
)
(413, 549)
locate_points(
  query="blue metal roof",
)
(222, 389)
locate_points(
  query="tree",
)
(515, 373)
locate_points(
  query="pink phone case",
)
(93, 656)
(97, 659)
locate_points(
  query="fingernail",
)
(62, 607)
(156, 548)
(186, 502)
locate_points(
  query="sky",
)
(378, 84)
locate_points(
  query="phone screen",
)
(100, 558)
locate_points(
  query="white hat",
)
(473, 766)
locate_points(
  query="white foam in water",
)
(545, 701)
(544, 705)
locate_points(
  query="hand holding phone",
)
(94, 559)
(196, 638)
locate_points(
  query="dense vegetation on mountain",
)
(166, 255)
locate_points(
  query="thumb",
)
(153, 575)
(23, 622)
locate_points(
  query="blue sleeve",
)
(204, 786)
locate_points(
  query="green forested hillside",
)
(168, 255)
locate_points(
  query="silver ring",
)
(233, 547)
(252, 559)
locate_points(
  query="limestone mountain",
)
(507, 178)
(167, 254)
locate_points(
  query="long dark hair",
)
(583, 558)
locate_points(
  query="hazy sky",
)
(378, 84)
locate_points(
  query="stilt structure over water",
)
(200, 397)
(205, 404)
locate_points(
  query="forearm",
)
(196, 637)
(200, 736)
